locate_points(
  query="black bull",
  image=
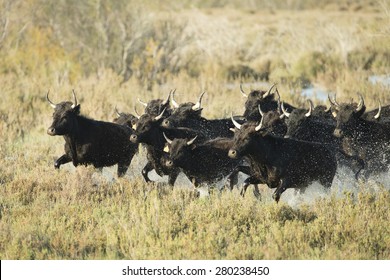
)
(282, 163)
(89, 141)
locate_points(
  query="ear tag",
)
(166, 148)
(134, 126)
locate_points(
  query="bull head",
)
(55, 105)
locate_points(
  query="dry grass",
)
(83, 214)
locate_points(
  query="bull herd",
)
(272, 142)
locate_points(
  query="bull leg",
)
(148, 167)
(122, 168)
(278, 192)
(256, 191)
(232, 180)
(173, 176)
(62, 160)
(252, 180)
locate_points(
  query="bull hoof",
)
(276, 197)
(56, 165)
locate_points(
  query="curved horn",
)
(75, 99)
(174, 103)
(143, 103)
(169, 141)
(236, 124)
(333, 102)
(167, 100)
(361, 104)
(136, 113)
(287, 114)
(308, 114)
(191, 141)
(379, 111)
(117, 112)
(196, 107)
(269, 91)
(51, 103)
(242, 91)
(160, 116)
(257, 128)
(261, 112)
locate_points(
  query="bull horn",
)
(168, 98)
(361, 104)
(242, 91)
(191, 141)
(174, 103)
(51, 103)
(136, 113)
(260, 111)
(257, 128)
(236, 124)
(269, 91)
(169, 141)
(143, 103)
(196, 107)
(117, 112)
(75, 99)
(308, 114)
(379, 111)
(333, 102)
(277, 93)
(287, 114)
(160, 116)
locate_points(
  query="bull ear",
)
(191, 141)
(76, 109)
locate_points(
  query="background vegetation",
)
(111, 53)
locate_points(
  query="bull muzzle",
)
(51, 131)
(232, 153)
(337, 133)
(169, 163)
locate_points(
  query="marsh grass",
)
(79, 213)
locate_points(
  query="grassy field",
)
(114, 52)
